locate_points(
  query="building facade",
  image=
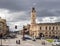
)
(44, 29)
(3, 27)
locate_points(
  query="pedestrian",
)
(17, 41)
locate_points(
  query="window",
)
(46, 27)
(0, 29)
(46, 32)
(56, 28)
(40, 28)
(46, 35)
(53, 28)
(56, 33)
(49, 28)
(53, 32)
(1, 24)
(49, 32)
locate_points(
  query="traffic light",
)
(15, 26)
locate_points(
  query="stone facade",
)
(47, 29)
(3, 27)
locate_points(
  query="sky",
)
(18, 12)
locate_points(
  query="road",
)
(12, 42)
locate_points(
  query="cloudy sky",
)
(17, 12)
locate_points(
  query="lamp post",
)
(23, 33)
(1, 39)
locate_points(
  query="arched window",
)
(53, 32)
(49, 32)
(40, 28)
(53, 27)
(46, 35)
(49, 28)
(49, 35)
(46, 32)
(1, 24)
(56, 28)
(46, 27)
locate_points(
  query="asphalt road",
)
(12, 42)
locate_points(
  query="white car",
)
(28, 37)
(56, 42)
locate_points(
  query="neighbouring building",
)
(44, 29)
(3, 27)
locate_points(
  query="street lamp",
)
(1, 39)
(23, 33)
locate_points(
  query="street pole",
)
(23, 33)
(1, 39)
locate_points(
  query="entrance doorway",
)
(41, 35)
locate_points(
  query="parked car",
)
(11, 36)
(27, 37)
(56, 42)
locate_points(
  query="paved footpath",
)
(35, 43)
(12, 42)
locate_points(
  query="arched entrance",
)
(41, 35)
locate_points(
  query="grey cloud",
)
(44, 8)
(44, 13)
(17, 5)
(18, 16)
(10, 4)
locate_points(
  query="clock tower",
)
(33, 16)
(33, 23)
